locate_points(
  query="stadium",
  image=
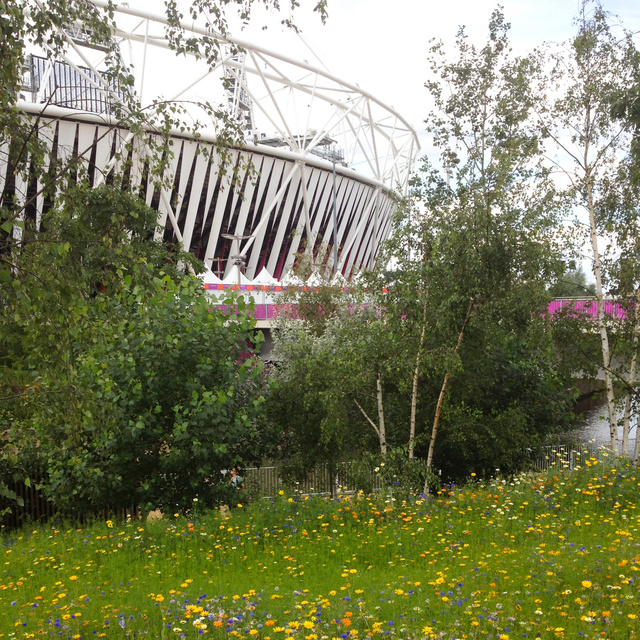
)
(318, 171)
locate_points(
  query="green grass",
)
(545, 555)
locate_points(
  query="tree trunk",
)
(379, 428)
(434, 430)
(604, 337)
(626, 425)
(414, 391)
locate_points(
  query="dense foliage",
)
(122, 382)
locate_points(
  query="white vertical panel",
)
(343, 223)
(300, 229)
(66, 138)
(4, 165)
(218, 215)
(167, 177)
(313, 177)
(20, 198)
(188, 154)
(356, 225)
(247, 195)
(355, 230)
(104, 145)
(86, 134)
(46, 133)
(287, 212)
(273, 170)
(199, 174)
(138, 159)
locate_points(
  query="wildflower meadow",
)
(545, 555)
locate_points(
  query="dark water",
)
(595, 427)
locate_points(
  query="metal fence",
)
(268, 481)
(34, 506)
(64, 86)
(563, 456)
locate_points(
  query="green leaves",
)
(130, 372)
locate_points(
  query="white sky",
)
(382, 45)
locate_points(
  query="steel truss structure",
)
(320, 171)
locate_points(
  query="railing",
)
(562, 456)
(588, 307)
(36, 507)
(268, 481)
(64, 86)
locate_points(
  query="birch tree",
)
(587, 147)
(492, 212)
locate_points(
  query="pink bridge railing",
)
(588, 307)
(265, 308)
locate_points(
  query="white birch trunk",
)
(382, 432)
(597, 271)
(414, 391)
(379, 428)
(626, 425)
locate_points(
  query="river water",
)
(595, 428)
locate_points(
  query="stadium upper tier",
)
(316, 167)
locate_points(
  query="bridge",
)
(264, 290)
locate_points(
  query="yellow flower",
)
(586, 584)
(73, 577)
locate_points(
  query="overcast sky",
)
(383, 44)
